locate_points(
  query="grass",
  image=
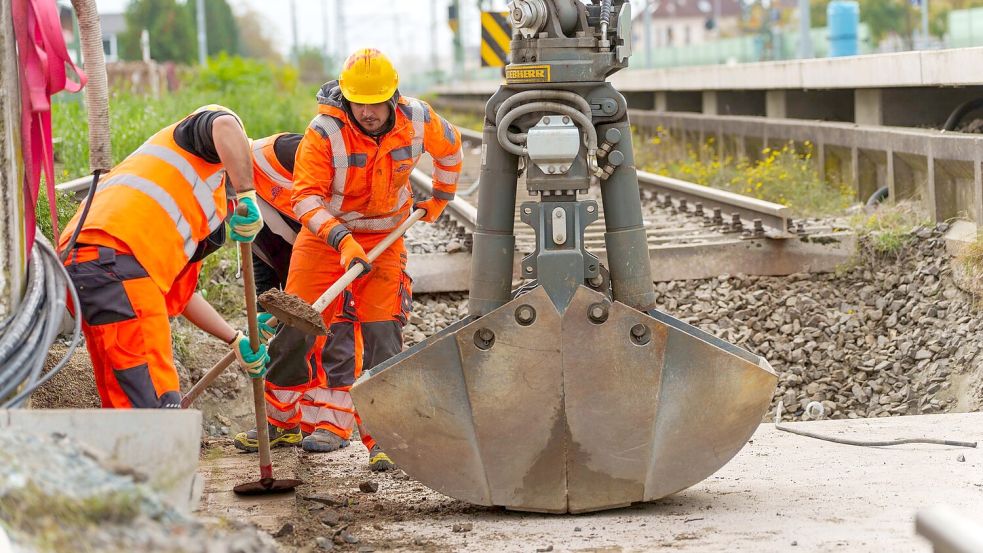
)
(269, 99)
(54, 522)
(218, 283)
(888, 230)
(786, 175)
(970, 262)
(465, 119)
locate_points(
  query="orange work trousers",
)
(126, 326)
(310, 377)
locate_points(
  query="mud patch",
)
(74, 386)
(293, 311)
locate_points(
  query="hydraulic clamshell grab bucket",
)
(595, 408)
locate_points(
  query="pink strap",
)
(42, 57)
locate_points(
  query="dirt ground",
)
(73, 387)
(777, 494)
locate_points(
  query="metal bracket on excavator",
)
(575, 394)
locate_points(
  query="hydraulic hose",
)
(863, 443)
(961, 110)
(535, 95)
(26, 336)
(582, 120)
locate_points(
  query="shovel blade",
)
(293, 311)
(567, 412)
(267, 486)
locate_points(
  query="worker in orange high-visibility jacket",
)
(273, 166)
(154, 217)
(351, 188)
(273, 173)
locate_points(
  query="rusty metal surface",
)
(611, 387)
(516, 393)
(566, 413)
(417, 403)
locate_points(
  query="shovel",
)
(266, 483)
(213, 373)
(295, 312)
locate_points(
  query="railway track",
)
(693, 231)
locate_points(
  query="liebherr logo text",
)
(534, 74)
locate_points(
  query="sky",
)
(400, 28)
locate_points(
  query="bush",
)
(269, 99)
(888, 229)
(785, 175)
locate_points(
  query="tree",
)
(314, 66)
(223, 34)
(885, 16)
(254, 41)
(172, 31)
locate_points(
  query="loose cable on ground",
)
(863, 443)
(27, 335)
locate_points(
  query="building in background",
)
(686, 22)
(113, 24)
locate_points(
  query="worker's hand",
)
(266, 332)
(246, 227)
(254, 362)
(433, 207)
(352, 253)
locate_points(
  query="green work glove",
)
(246, 227)
(266, 332)
(254, 362)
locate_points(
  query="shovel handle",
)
(213, 373)
(206, 381)
(351, 274)
(259, 388)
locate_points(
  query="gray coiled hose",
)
(582, 120)
(26, 336)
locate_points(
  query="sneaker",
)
(323, 441)
(249, 441)
(379, 461)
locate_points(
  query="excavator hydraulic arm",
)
(570, 393)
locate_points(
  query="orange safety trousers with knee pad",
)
(310, 378)
(125, 319)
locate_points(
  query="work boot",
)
(249, 441)
(323, 441)
(379, 461)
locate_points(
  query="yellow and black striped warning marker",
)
(496, 36)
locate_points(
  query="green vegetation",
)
(467, 120)
(888, 229)
(52, 522)
(970, 262)
(268, 98)
(785, 175)
(218, 282)
(173, 31)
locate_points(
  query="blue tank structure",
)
(843, 20)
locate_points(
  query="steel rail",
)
(775, 218)
(460, 209)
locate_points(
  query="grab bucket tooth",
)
(594, 408)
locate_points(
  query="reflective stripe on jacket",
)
(273, 182)
(159, 202)
(344, 180)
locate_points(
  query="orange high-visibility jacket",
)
(273, 182)
(346, 181)
(157, 204)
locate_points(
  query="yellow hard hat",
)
(368, 77)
